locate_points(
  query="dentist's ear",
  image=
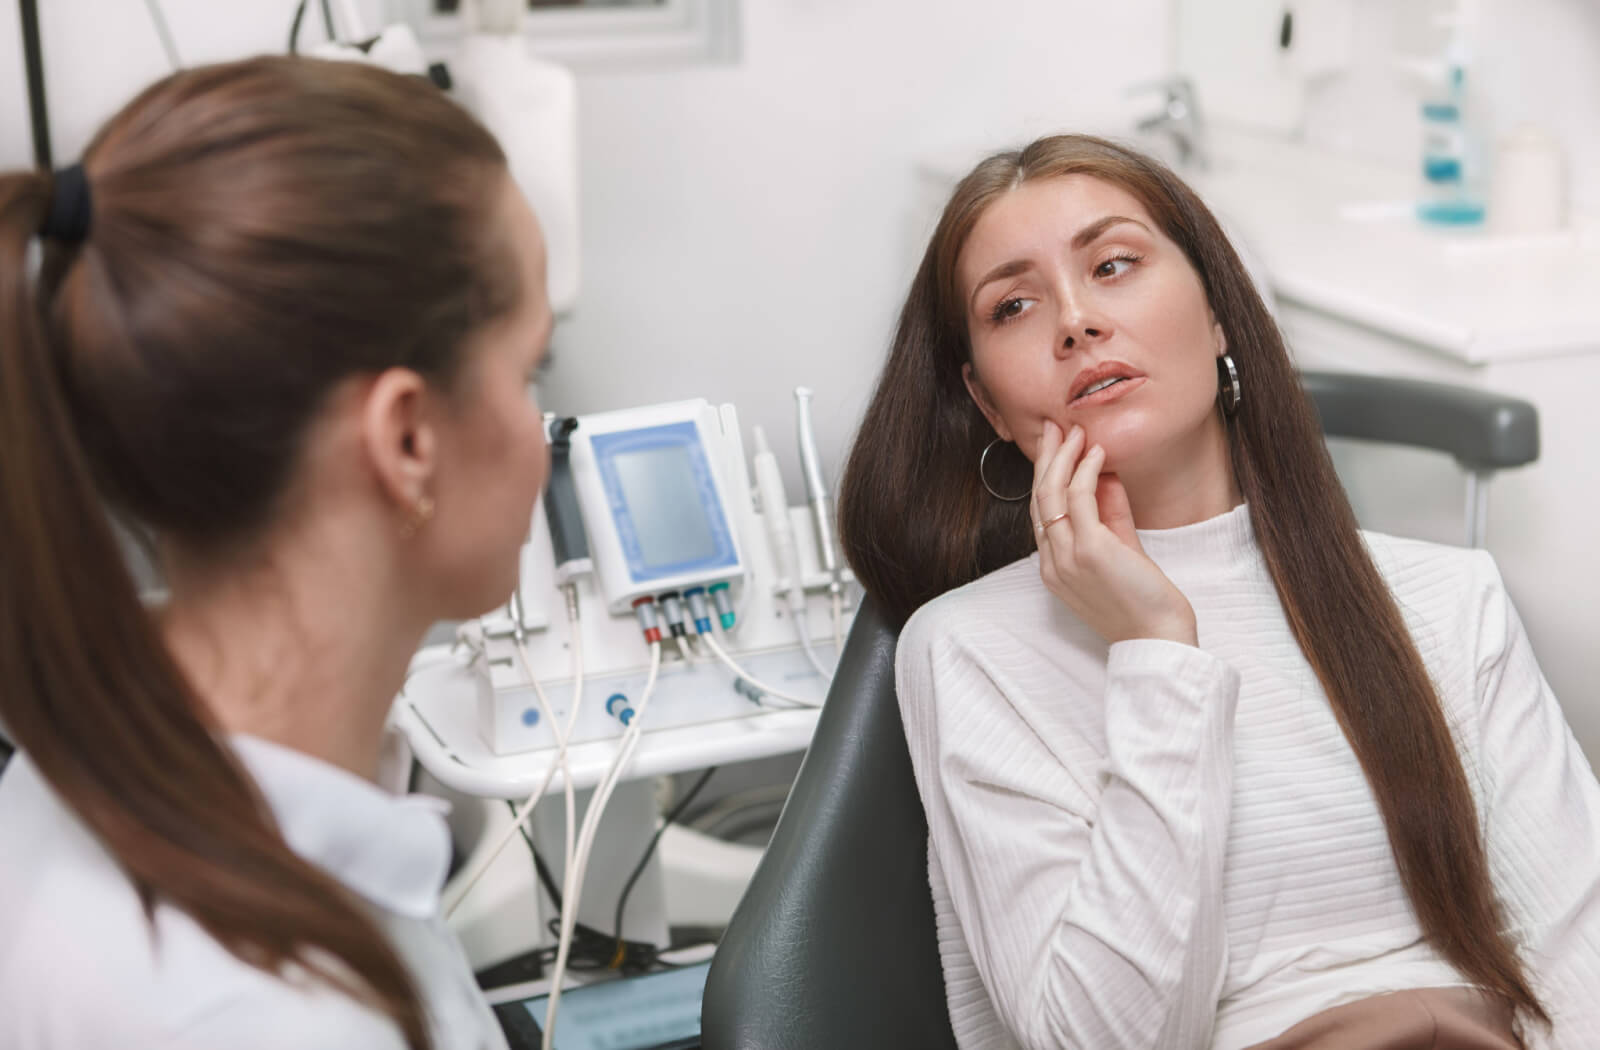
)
(399, 437)
(1220, 337)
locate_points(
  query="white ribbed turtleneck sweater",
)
(1156, 846)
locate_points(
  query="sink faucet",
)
(1178, 120)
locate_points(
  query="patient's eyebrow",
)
(1080, 240)
(1000, 273)
(1090, 233)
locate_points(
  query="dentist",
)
(285, 322)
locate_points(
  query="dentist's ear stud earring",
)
(420, 515)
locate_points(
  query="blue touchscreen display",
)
(663, 502)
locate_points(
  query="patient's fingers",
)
(1051, 481)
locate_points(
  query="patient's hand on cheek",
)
(1089, 553)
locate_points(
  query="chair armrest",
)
(1483, 431)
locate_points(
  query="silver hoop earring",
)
(983, 461)
(1228, 391)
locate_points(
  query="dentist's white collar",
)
(392, 850)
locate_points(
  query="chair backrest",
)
(832, 946)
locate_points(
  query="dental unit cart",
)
(678, 594)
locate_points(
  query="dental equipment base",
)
(698, 719)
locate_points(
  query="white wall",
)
(746, 229)
(99, 53)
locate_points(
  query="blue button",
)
(530, 717)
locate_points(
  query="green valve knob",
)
(722, 597)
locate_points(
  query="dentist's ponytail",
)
(90, 694)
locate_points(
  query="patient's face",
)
(1068, 282)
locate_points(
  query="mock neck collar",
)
(1225, 540)
(393, 850)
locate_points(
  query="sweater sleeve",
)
(1086, 878)
(1543, 825)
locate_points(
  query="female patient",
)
(285, 319)
(1209, 767)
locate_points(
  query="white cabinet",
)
(1542, 518)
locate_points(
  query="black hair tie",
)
(68, 218)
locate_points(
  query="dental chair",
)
(833, 943)
(832, 946)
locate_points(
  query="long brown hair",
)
(916, 521)
(261, 230)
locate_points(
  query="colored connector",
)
(699, 609)
(645, 609)
(672, 611)
(617, 707)
(723, 598)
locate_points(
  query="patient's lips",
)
(1104, 383)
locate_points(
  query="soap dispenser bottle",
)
(1452, 159)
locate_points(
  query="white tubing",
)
(562, 737)
(798, 614)
(516, 822)
(572, 889)
(722, 654)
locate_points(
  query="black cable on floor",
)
(672, 817)
(593, 949)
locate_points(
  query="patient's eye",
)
(1009, 309)
(1117, 265)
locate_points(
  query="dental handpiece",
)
(816, 492)
(775, 510)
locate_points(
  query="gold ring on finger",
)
(1039, 527)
